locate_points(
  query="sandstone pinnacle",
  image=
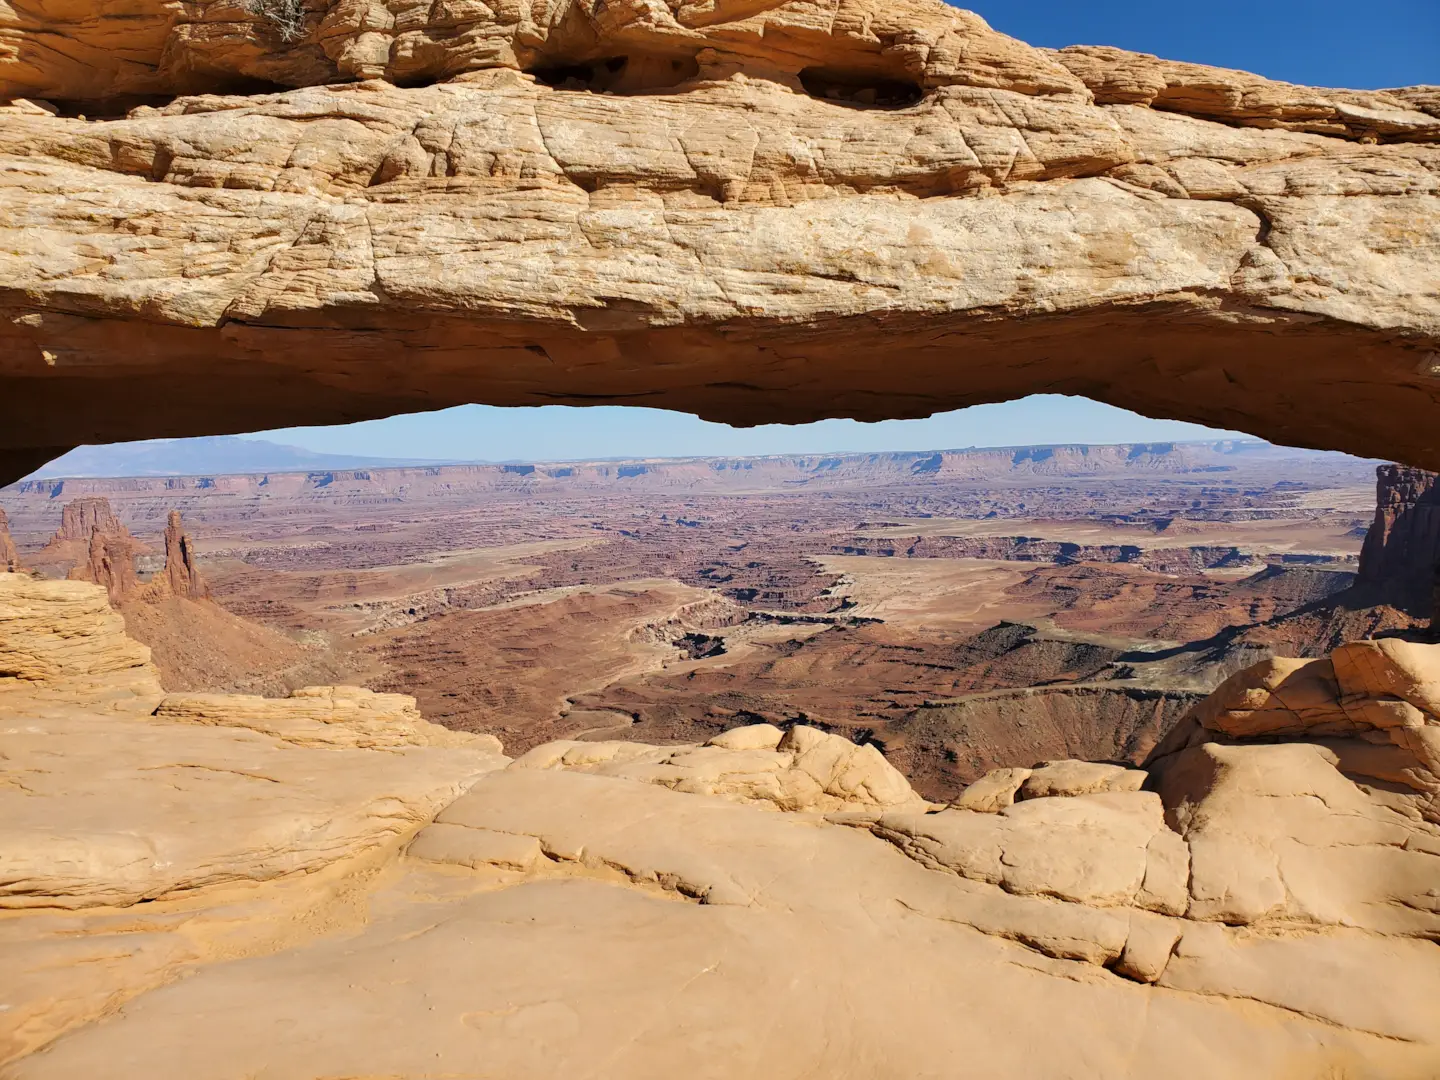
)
(181, 574)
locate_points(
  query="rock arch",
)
(1184, 241)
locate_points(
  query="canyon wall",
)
(1401, 554)
(779, 212)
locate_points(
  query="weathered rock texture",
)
(764, 212)
(800, 769)
(9, 556)
(1264, 906)
(322, 716)
(182, 577)
(1371, 709)
(1400, 561)
(92, 545)
(109, 562)
(63, 638)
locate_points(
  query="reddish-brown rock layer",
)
(1401, 554)
(81, 517)
(181, 575)
(109, 562)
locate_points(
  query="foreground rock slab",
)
(331, 888)
(776, 212)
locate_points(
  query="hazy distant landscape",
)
(896, 597)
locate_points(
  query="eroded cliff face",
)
(1400, 560)
(756, 213)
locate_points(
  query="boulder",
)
(803, 769)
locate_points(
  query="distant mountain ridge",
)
(292, 471)
(209, 455)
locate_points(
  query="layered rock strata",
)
(182, 576)
(1260, 901)
(1400, 560)
(92, 545)
(775, 212)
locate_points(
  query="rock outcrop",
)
(1371, 710)
(92, 545)
(182, 576)
(323, 716)
(82, 518)
(110, 563)
(875, 210)
(9, 554)
(62, 639)
(800, 769)
(1400, 561)
(1259, 902)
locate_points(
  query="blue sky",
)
(1319, 42)
(562, 433)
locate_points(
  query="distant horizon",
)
(603, 432)
(150, 448)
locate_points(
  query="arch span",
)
(1183, 241)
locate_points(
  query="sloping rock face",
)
(392, 901)
(804, 209)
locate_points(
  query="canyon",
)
(959, 610)
(1082, 761)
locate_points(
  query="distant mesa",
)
(215, 462)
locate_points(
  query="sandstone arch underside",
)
(752, 211)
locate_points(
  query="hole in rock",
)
(617, 74)
(113, 108)
(861, 90)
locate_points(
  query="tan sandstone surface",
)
(327, 885)
(764, 211)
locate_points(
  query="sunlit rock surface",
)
(757, 212)
(322, 885)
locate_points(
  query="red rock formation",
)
(181, 574)
(9, 557)
(83, 516)
(110, 563)
(1402, 549)
(74, 552)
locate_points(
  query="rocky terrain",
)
(809, 209)
(995, 609)
(1112, 762)
(1259, 900)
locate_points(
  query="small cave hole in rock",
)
(861, 90)
(617, 74)
(111, 108)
